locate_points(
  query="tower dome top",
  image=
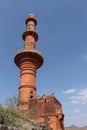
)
(31, 17)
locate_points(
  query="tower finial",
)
(31, 17)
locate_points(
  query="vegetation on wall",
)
(9, 116)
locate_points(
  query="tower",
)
(28, 60)
(45, 109)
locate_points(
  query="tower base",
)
(47, 110)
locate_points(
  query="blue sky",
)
(62, 29)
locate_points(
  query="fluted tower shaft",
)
(28, 60)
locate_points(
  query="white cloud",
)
(80, 97)
(77, 110)
(69, 91)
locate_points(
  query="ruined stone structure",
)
(45, 109)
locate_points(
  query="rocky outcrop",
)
(73, 127)
(2, 127)
(25, 125)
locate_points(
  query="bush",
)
(9, 116)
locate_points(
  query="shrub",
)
(9, 116)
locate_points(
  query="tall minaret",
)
(28, 60)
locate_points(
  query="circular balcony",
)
(25, 55)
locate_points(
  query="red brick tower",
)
(45, 109)
(28, 60)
